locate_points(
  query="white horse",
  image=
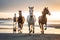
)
(31, 23)
(15, 28)
(31, 20)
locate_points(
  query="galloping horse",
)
(43, 19)
(14, 24)
(31, 23)
(21, 21)
(31, 20)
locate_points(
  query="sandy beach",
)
(9, 36)
(52, 32)
(51, 29)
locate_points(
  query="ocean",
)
(6, 22)
(6, 26)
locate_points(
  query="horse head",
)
(46, 11)
(20, 13)
(31, 11)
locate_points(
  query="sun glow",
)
(54, 16)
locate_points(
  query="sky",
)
(9, 7)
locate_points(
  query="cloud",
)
(14, 5)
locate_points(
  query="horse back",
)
(42, 20)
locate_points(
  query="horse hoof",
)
(20, 31)
(29, 32)
(33, 31)
(45, 28)
(42, 32)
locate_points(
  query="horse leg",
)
(42, 29)
(14, 27)
(21, 28)
(14, 30)
(45, 26)
(40, 25)
(29, 28)
(33, 28)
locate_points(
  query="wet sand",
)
(29, 37)
(51, 29)
(52, 33)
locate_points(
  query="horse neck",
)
(44, 15)
(20, 16)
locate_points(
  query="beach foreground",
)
(51, 29)
(52, 33)
(29, 37)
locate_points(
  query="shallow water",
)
(6, 26)
(6, 22)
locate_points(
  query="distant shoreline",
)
(5, 18)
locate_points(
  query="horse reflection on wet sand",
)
(43, 19)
